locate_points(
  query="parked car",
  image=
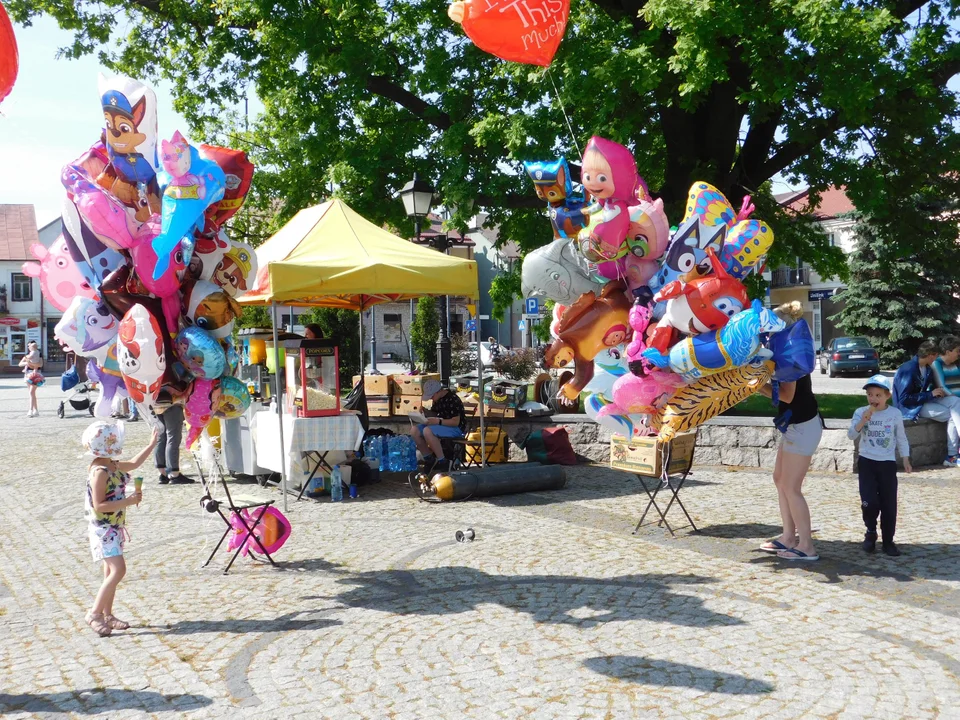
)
(849, 355)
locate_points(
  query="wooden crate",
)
(412, 384)
(644, 455)
(376, 385)
(402, 405)
(379, 405)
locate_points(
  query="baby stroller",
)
(80, 398)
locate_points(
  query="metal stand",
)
(674, 485)
(321, 457)
(443, 348)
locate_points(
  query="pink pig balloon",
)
(200, 407)
(642, 395)
(60, 278)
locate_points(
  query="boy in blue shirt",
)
(946, 376)
(881, 433)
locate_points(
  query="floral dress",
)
(107, 530)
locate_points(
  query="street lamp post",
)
(444, 360)
(417, 196)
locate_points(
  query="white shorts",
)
(803, 438)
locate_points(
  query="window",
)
(392, 330)
(832, 239)
(22, 287)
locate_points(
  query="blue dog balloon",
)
(551, 179)
(193, 184)
(733, 345)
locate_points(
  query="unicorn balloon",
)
(734, 345)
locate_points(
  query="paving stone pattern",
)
(556, 610)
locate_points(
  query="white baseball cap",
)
(880, 381)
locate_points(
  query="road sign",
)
(472, 309)
(533, 306)
(522, 325)
(471, 325)
(527, 316)
(484, 317)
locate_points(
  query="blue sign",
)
(471, 325)
(821, 294)
(522, 325)
(533, 306)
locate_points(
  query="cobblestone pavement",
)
(556, 610)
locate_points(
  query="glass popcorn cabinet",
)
(312, 377)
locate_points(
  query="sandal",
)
(98, 623)
(773, 546)
(116, 623)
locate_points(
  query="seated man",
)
(450, 422)
(946, 375)
(914, 393)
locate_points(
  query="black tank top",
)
(804, 405)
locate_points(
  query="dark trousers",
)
(167, 454)
(878, 496)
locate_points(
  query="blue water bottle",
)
(336, 485)
(411, 454)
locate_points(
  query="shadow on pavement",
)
(670, 674)
(558, 599)
(284, 623)
(742, 530)
(100, 700)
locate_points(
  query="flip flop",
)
(796, 555)
(775, 546)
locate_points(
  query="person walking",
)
(801, 427)
(32, 363)
(167, 455)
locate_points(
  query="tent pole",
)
(363, 365)
(483, 433)
(279, 398)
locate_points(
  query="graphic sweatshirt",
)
(882, 435)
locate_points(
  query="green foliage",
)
(504, 290)
(462, 361)
(360, 95)
(254, 317)
(898, 301)
(424, 331)
(542, 329)
(519, 364)
(344, 327)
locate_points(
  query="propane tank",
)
(498, 480)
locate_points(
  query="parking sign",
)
(533, 306)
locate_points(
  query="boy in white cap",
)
(881, 433)
(450, 421)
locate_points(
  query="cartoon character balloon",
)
(200, 407)
(238, 174)
(94, 260)
(556, 271)
(234, 398)
(237, 269)
(587, 327)
(514, 31)
(130, 118)
(552, 183)
(166, 285)
(208, 251)
(609, 174)
(60, 279)
(210, 308)
(9, 59)
(200, 353)
(87, 328)
(141, 353)
(648, 236)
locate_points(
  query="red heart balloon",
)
(526, 31)
(9, 60)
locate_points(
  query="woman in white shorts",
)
(798, 419)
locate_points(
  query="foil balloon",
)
(642, 395)
(102, 213)
(210, 308)
(552, 182)
(237, 269)
(130, 132)
(513, 31)
(793, 352)
(60, 279)
(736, 344)
(87, 328)
(238, 174)
(609, 174)
(208, 251)
(200, 353)
(110, 380)
(199, 408)
(141, 353)
(586, 328)
(706, 398)
(272, 532)
(234, 398)
(557, 272)
(166, 285)
(609, 366)
(703, 304)
(9, 58)
(94, 260)
(233, 357)
(193, 184)
(648, 236)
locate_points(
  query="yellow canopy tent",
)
(330, 256)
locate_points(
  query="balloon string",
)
(565, 116)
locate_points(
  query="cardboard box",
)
(412, 384)
(505, 393)
(378, 385)
(379, 406)
(403, 405)
(644, 455)
(496, 411)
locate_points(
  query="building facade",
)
(799, 281)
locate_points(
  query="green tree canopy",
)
(362, 93)
(424, 331)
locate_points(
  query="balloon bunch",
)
(658, 327)
(144, 272)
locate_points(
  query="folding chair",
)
(669, 482)
(473, 452)
(234, 507)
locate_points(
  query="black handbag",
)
(357, 400)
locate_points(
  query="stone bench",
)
(723, 441)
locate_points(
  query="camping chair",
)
(472, 452)
(235, 507)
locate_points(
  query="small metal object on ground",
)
(465, 535)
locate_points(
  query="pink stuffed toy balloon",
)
(200, 407)
(60, 277)
(642, 395)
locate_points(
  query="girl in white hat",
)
(106, 504)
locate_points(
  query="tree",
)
(898, 302)
(424, 331)
(362, 94)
